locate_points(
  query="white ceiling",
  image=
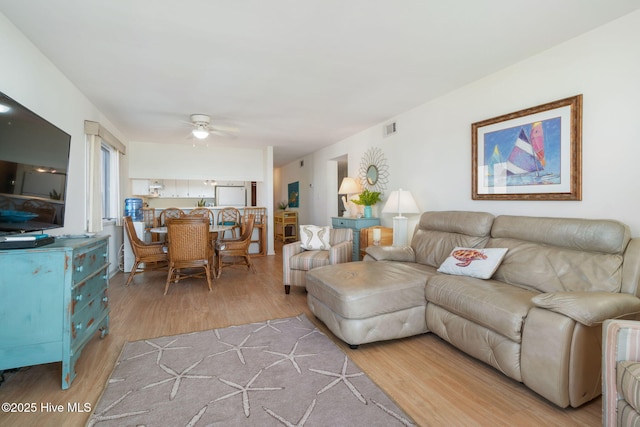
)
(295, 74)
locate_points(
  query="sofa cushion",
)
(492, 304)
(314, 238)
(553, 269)
(438, 233)
(560, 254)
(480, 263)
(307, 260)
(593, 235)
(628, 382)
(627, 416)
(358, 290)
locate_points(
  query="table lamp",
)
(400, 202)
(349, 186)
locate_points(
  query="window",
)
(105, 173)
(108, 183)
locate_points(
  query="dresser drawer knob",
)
(79, 268)
(105, 299)
(78, 326)
(79, 297)
(105, 277)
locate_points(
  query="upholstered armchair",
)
(296, 260)
(621, 373)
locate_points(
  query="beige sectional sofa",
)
(538, 319)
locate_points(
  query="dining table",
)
(212, 229)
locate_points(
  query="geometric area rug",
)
(283, 372)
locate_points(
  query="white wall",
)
(31, 79)
(431, 153)
(303, 174)
(184, 161)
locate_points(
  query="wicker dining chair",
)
(152, 255)
(206, 212)
(260, 223)
(236, 251)
(189, 248)
(230, 217)
(210, 215)
(169, 213)
(150, 221)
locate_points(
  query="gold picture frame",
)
(544, 161)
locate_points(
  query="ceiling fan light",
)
(200, 133)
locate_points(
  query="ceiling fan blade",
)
(223, 128)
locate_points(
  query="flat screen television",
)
(34, 158)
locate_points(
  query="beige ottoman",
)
(362, 302)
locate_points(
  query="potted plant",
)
(283, 205)
(368, 199)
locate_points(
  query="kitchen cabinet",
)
(140, 187)
(174, 188)
(182, 188)
(201, 190)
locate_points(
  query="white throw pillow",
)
(472, 262)
(314, 238)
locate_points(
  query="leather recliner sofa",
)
(538, 319)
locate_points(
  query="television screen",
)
(34, 157)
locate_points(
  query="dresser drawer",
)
(354, 223)
(341, 223)
(85, 321)
(83, 292)
(88, 260)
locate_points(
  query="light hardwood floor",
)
(433, 382)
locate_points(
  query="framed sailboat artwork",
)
(532, 154)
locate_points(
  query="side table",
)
(356, 224)
(282, 220)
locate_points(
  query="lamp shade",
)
(400, 202)
(349, 186)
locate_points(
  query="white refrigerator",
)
(231, 196)
(129, 257)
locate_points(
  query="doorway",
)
(343, 171)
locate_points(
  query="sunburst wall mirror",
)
(374, 171)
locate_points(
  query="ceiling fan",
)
(202, 127)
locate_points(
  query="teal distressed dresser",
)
(52, 301)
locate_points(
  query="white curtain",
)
(115, 191)
(96, 135)
(94, 199)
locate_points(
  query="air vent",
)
(390, 129)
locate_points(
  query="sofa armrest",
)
(392, 253)
(291, 249)
(589, 308)
(341, 252)
(620, 341)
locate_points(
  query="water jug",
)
(133, 208)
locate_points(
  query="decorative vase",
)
(367, 211)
